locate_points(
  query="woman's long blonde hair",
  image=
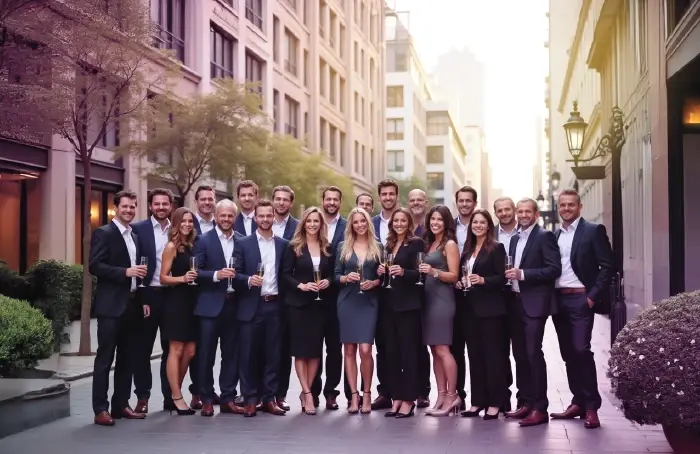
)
(373, 250)
(298, 241)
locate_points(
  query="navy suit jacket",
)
(377, 222)
(420, 230)
(338, 235)
(147, 246)
(210, 258)
(239, 226)
(592, 260)
(247, 253)
(290, 228)
(541, 265)
(198, 227)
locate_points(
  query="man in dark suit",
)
(113, 261)
(247, 194)
(587, 271)
(537, 266)
(152, 234)
(258, 268)
(366, 202)
(216, 309)
(332, 198)
(205, 198)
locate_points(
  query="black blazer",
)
(109, 259)
(592, 261)
(146, 245)
(290, 228)
(488, 300)
(404, 295)
(300, 269)
(541, 265)
(239, 225)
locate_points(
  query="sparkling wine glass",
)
(232, 265)
(143, 262)
(509, 266)
(193, 267)
(419, 260)
(389, 262)
(360, 271)
(317, 279)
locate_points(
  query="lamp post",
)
(610, 144)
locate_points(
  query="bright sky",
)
(508, 37)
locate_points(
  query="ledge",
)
(26, 403)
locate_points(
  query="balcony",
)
(163, 39)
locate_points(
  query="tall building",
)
(321, 69)
(460, 74)
(475, 165)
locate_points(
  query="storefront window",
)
(20, 210)
(101, 213)
(10, 214)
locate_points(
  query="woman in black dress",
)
(402, 325)
(308, 254)
(179, 325)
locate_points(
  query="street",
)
(338, 432)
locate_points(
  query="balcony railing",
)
(219, 72)
(163, 39)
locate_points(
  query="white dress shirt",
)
(504, 237)
(205, 225)
(461, 233)
(226, 246)
(332, 226)
(268, 259)
(519, 248)
(130, 246)
(383, 227)
(568, 278)
(161, 236)
(248, 222)
(278, 228)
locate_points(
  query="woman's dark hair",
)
(450, 227)
(490, 240)
(392, 237)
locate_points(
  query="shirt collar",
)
(335, 220)
(248, 216)
(155, 223)
(525, 233)
(459, 222)
(282, 222)
(511, 233)
(201, 220)
(220, 233)
(381, 216)
(572, 227)
(121, 227)
(262, 238)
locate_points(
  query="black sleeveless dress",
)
(179, 322)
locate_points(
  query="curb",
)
(78, 376)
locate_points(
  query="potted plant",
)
(655, 370)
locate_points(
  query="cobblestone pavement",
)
(338, 432)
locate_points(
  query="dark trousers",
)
(459, 343)
(534, 391)
(515, 336)
(383, 380)
(260, 340)
(574, 325)
(145, 337)
(487, 360)
(334, 354)
(423, 371)
(221, 330)
(403, 347)
(285, 356)
(115, 337)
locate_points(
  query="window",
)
(254, 68)
(292, 4)
(322, 17)
(394, 96)
(341, 44)
(371, 73)
(394, 160)
(322, 77)
(435, 155)
(362, 111)
(222, 53)
(291, 128)
(341, 89)
(400, 62)
(322, 134)
(291, 44)
(357, 157)
(356, 53)
(438, 124)
(275, 109)
(362, 63)
(169, 20)
(254, 12)
(439, 201)
(102, 108)
(20, 210)
(306, 68)
(394, 129)
(436, 181)
(333, 149)
(342, 149)
(333, 78)
(101, 213)
(275, 39)
(357, 107)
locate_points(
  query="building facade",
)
(320, 66)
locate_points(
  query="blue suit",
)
(290, 228)
(260, 322)
(377, 222)
(198, 227)
(239, 225)
(216, 310)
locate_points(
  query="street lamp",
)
(610, 144)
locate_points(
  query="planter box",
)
(26, 403)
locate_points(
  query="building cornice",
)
(682, 44)
(602, 41)
(573, 54)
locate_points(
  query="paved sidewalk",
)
(338, 432)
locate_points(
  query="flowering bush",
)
(655, 364)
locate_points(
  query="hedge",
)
(25, 335)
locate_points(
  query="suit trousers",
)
(574, 326)
(115, 337)
(534, 391)
(260, 340)
(383, 380)
(334, 353)
(515, 336)
(145, 337)
(487, 360)
(403, 347)
(222, 330)
(285, 355)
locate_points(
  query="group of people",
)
(265, 287)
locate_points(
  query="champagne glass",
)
(467, 270)
(389, 262)
(317, 279)
(360, 269)
(382, 260)
(232, 265)
(144, 262)
(509, 265)
(261, 270)
(193, 267)
(419, 260)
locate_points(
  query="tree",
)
(209, 135)
(406, 185)
(96, 78)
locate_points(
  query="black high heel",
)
(472, 414)
(186, 412)
(400, 415)
(303, 409)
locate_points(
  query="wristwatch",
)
(435, 274)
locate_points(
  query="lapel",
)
(530, 241)
(577, 238)
(279, 250)
(479, 258)
(339, 232)
(377, 220)
(135, 239)
(197, 227)
(120, 241)
(513, 245)
(149, 237)
(215, 244)
(290, 228)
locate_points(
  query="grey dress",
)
(439, 309)
(357, 312)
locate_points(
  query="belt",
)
(267, 298)
(571, 291)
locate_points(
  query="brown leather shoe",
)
(127, 413)
(520, 413)
(207, 410)
(381, 403)
(272, 408)
(331, 403)
(422, 402)
(571, 412)
(592, 421)
(249, 410)
(535, 418)
(282, 403)
(141, 406)
(104, 419)
(196, 402)
(231, 408)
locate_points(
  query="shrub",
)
(25, 335)
(655, 364)
(12, 284)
